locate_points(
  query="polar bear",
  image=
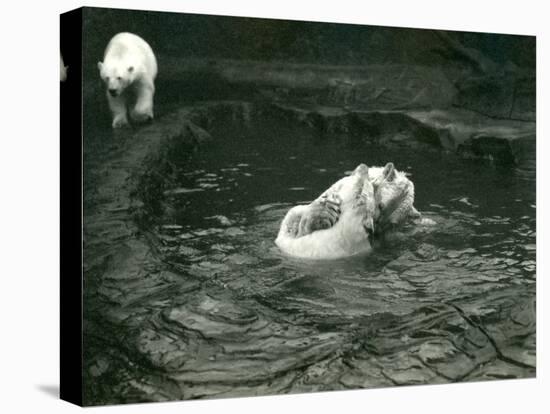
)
(337, 224)
(129, 69)
(344, 219)
(394, 195)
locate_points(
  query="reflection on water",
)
(229, 315)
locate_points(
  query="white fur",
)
(390, 196)
(129, 63)
(346, 238)
(386, 191)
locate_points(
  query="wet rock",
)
(127, 261)
(436, 352)
(365, 373)
(469, 133)
(499, 370)
(473, 135)
(322, 376)
(151, 388)
(106, 230)
(510, 325)
(211, 323)
(503, 150)
(427, 252)
(499, 96)
(393, 87)
(245, 342)
(162, 350)
(402, 369)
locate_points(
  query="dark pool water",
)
(230, 315)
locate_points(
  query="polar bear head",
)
(394, 195)
(117, 75)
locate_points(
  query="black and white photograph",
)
(303, 207)
(275, 206)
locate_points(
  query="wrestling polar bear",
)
(342, 221)
(337, 224)
(129, 69)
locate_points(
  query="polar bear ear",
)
(100, 65)
(389, 171)
(130, 69)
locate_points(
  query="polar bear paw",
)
(322, 214)
(120, 121)
(141, 115)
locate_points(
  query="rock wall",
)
(475, 91)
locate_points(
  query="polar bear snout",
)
(115, 86)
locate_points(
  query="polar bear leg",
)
(322, 213)
(118, 108)
(143, 110)
(414, 213)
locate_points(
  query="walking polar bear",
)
(129, 69)
(342, 221)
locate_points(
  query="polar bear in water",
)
(394, 197)
(129, 69)
(311, 231)
(342, 221)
